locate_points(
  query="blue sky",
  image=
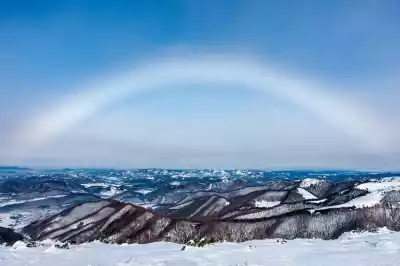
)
(50, 50)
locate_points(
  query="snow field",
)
(365, 249)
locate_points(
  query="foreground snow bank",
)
(366, 249)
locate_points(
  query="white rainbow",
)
(352, 118)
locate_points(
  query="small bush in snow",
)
(282, 241)
(199, 244)
(63, 246)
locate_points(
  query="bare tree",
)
(393, 215)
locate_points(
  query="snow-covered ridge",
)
(266, 204)
(230, 199)
(88, 185)
(307, 182)
(298, 213)
(7, 202)
(376, 191)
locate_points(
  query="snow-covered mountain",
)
(178, 205)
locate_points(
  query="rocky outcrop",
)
(9, 237)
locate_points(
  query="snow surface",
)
(365, 249)
(103, 185)
(144, 191)
(318, 201)
(305, 194)
(17, 219)
(5, 220)
(111, 192)
(266, 204)
(13, 202)
(382, 185)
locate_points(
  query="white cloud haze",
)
(329, 128)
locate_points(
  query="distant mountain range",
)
(150, 205)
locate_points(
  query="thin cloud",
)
(351, 117)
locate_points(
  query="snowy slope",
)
(376, 191)
(366, 249)
(305, 194)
